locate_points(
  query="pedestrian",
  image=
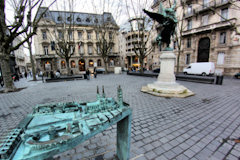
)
(95, 72)
(43, 74)
(51, 74)
(30, 73)
(40, 73)
(87, 73)
(16, 77)
(25, 74)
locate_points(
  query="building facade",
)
(131, 36)
(122, 49)
(209, 33)
(84, 36)
(20, 57)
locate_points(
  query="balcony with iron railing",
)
(213, 26)
(211, 6)
(206, 7)
(48, 56)
(189, 14)
(220, 3)
(113, 54)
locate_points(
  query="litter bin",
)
(219, 80)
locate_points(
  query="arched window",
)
(73, 64)
(99, 62)
(81, 65)
(63, 65)
(90, 63)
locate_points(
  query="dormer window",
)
(88, 20)
(69, 18)
(79, 19)
(59, 18)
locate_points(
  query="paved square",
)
(162, 128)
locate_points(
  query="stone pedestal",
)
(166, 85)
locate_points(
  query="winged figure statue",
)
(167, 21)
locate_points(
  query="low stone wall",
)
(65, 78)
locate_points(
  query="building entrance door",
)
(203, 50)
(81, 65)
(48, 66)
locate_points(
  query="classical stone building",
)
(209, 33)
(84, 36)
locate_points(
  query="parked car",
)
(100, 70)
(237, 75)
(202, 68)
(157, 70)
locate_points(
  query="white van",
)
(202, 68)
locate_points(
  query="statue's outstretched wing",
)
(156, 16)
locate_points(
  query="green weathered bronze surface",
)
(55, 128)
(167, 20)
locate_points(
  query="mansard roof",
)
(77, 18)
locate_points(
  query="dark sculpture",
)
(167, 23)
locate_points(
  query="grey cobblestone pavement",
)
(162, 128)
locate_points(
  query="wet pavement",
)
(196, 128)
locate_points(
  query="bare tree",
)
(179, 30)
(142, 45)
(29, 46)
(9, 31)
(105, 40)
(107, 29)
